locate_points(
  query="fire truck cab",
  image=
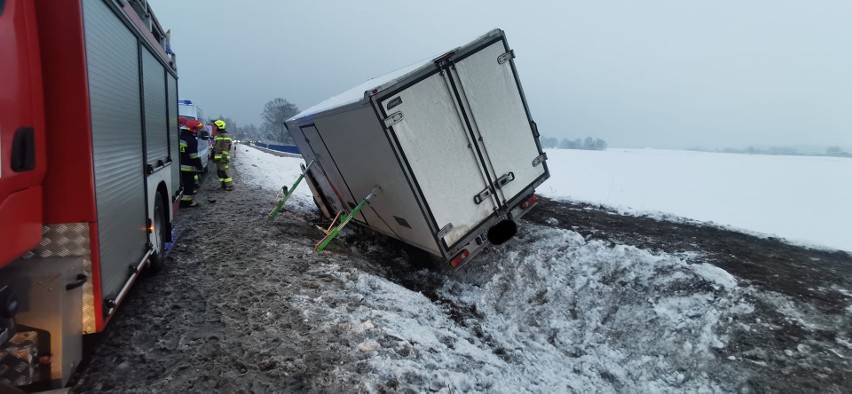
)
(89, 173)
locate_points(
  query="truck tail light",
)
(529, 202)
(459, 258)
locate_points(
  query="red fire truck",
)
(90, 175)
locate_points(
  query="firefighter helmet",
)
(220, 124)
(182, 121)
(193, 125)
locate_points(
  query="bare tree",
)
(835, 151)
(549, 142)
(274, 114)
(250, 132)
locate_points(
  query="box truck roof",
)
(357, 93)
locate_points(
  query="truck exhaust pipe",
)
(503, 231)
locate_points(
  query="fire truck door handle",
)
(23, 150)
(81, 280)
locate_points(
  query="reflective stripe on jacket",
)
(189, 158)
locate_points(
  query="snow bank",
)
(557, 314)
(804, 199)
(268, 172)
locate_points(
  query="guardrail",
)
(281, 148)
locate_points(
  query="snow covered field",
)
(804, 199)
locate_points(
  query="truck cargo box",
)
(448, 145)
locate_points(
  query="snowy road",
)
(565, 307)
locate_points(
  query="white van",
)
(190, 111)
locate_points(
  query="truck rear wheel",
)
(158, 257)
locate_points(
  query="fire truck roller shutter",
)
(116, 110)
(156, 127)
(173, 129)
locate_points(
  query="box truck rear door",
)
(487, 80)
(437, 149)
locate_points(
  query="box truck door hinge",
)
(445, 230)
(506, 57)
(540, 159)
(481, 196)
(395, 118)
(503, 180)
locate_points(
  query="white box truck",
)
(447, 148)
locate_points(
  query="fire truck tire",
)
(158, 258)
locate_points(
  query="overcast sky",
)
(670, 74)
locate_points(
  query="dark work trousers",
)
(187, 179)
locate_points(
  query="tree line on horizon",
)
(587, 143)
(833, 151)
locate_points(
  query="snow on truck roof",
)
(357, 93)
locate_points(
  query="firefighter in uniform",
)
(195, 127)
(222, 155)
(190, 165)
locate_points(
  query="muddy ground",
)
(223, 315)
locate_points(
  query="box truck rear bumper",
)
(495, 231)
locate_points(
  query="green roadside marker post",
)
(288, 193)
(321, 245)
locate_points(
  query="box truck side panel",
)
(500, 117)
(311, 177)
(436, 147)
(156, 129)
(334, 189)
(113, 73)
(365, 158)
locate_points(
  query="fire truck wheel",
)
(158, 258)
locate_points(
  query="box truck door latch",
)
(503, 180)
(481, 196)
(540, 159)
(506, 57)
(445, 230)
(395, 118)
